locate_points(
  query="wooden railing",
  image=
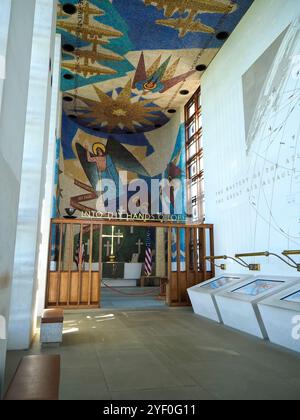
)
(74, 279)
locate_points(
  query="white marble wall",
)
(243, 222)
(4, 26)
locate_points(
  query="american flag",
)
(77, 253)
(148, 256)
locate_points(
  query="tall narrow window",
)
(194, 157)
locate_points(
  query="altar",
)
(121, 274)
(115, 271)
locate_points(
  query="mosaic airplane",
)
(96, 34)
(91, 56)
(193, 8)
(85, 30)
(91, 33)
(186, 25)
(95, 55)
(85, 9)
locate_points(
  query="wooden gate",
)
(74, 280)
(198, 242)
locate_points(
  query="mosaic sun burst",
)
(158, 77)
(121, 112)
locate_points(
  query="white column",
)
(4, 26)
(23, 292)
(16, 29)
(49, 184)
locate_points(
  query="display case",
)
(280, 314)
(202, 295)
(238, 304)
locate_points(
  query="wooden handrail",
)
(136, 223)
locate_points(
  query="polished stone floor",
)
(166, 354)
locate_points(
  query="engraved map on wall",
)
(271, 90)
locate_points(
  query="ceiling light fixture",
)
(68, 47)
(201, 67)
(68, 76)
(222, 36)
(69, 8)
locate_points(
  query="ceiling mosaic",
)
(128, 65)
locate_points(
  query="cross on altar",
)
(113, 236)
(139, 244)
(119, 236)
(107, 246)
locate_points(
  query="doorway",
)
(130, 277)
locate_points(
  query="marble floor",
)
(165, 354)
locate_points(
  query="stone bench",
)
(36, 378)
(52, 326)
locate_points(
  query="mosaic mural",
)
(128, 67)
(125, 62)
(88, 159)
